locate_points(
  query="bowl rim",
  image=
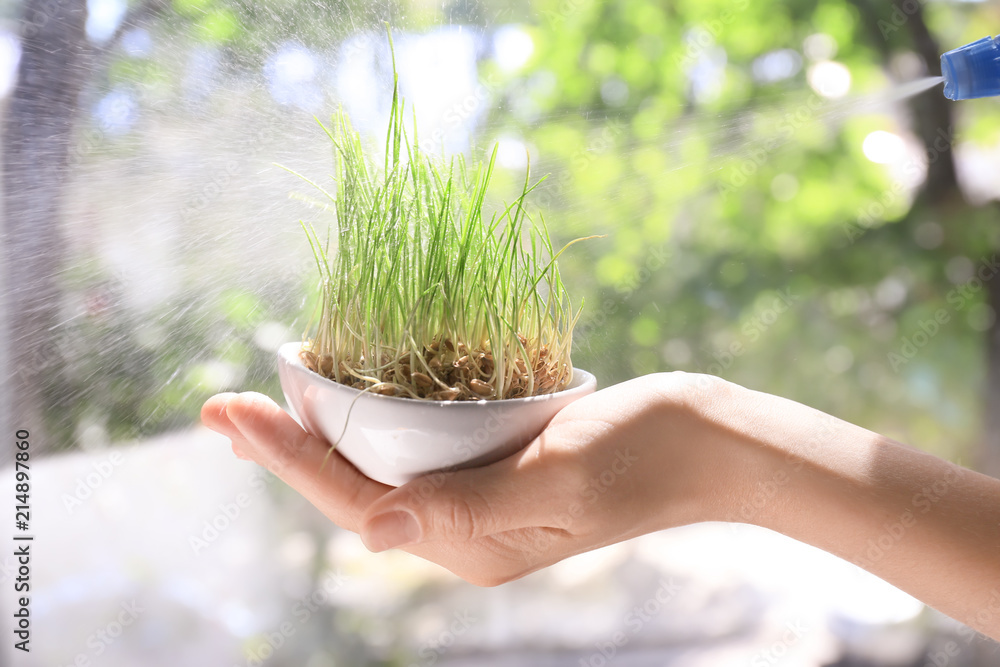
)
(288, 355)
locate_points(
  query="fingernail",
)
(392, 529)
(226, 396)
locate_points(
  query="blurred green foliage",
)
(758, 188)
(731, 205)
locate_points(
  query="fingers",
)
(499, 558)
(269, 436)
(517, 492)
(213, 415)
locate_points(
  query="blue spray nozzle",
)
(972, 70)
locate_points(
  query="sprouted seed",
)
(426, 295)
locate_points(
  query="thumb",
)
(463, 505)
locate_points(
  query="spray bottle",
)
(972, 70)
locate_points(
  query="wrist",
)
(800, 471)
(708, 433)
(757, 458)
(921, 523)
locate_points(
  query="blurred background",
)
(782, 207)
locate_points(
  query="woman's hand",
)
(627, 460)
(655, 452)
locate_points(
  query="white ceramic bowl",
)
(392, 440)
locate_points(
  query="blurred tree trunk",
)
(989, 460)
(941, 194)
(37, 132)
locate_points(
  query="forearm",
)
(928, 526)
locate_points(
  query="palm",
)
(574, 488)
